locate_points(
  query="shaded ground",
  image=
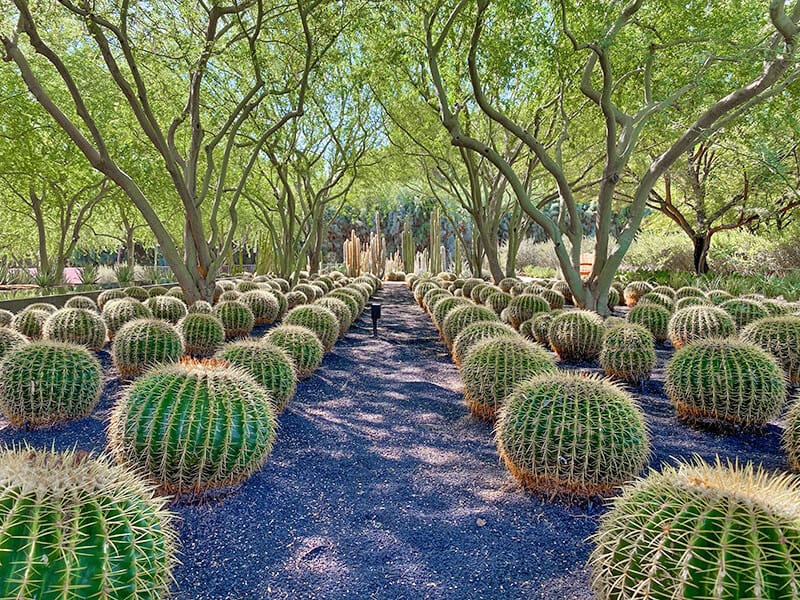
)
(381, 486)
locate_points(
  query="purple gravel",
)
(382, 487)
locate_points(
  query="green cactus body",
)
(653, 317)
(555, 299)
(562, 287)
(48, 382)
(176, 292)
(664, 290)
(118, 312)
(30, 322)
(340, 310)
(45, 306)
(628, 353)
(576, 335)
(506, 284)
(475, 293)
(364, 290)
(76, 326)
(81, 302)
(10, 339)
(353, 305)
(263, 305)
(167, 308)
(156, 290)
(486, 292)
(113, 294)
(687, 301)
(493, 367)
(717, 297)
(231, 295)
(203, 333)
(700, 531)
(441, 307)
(466, 287)
(246, 286)
(143, 343)
(295, 298)
(318, 319)
(524, 307)
(301, 344)
(498, 301)
(719, 381)
(660, 299)
(422, 288)
(137, 293)
(283, 304)
(570, 435)
(6, 316)
(744, 311)
(431, 295)
(540, 326)
(461, 316)
(269, 365)
(237, 318)
(200, 306)
(476, 333)
(699, 322)
(791, 434)
(689, 291)
(780, 336)
(635, 290)
(193, 427)
(76, 526)
(777, 308)
(310, 292)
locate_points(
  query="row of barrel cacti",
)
(186, 426)
(692, 530)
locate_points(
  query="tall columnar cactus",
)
(269, 365)
(47, 382)
(318, 319)
(566, 434)
(476, 333)
(203, 333)
(457, 259)
(576, 335)
(780, 336)
(76, 526)
(628, 353)
(118, 312)
(352, 255)
(377, 250)
(725, 381)
(142, 343)
(408, 248)
(30, 322)
(700, 531)
(76, 326)
(458, 318)
(206, 425)
(493, 367)
(435, 243)
(301, 344)
(697, 323)
(524, 307)
(653, 317)
(237, 318)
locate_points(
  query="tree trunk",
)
(701, 245)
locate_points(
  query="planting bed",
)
(382, 486)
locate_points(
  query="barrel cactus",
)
(176, 292)
(524, 307)
(431, 294)
(725, 381)
(470, 283)
(340, 310)
(461, 316)
(443, 306)
(635, 290)
(699, 530)
(30, 322)
(422, 288)
(744, 311)
(562, 287)
(237, 318)
(540, 326)
(295, 298)
(269, 365)
(6, 316)
(699, 322)
(263, 305)
(689, 291)
(81, 302)
(137, 293)
(613, 298)
(143, 343)
(157, 290)
(780, 336)
(310, 292)
(628, 353)
(97, 529)
(167, 308)
(118, 312)
(245, 286)
(10, 339)
(203, 333)
(476, 333)
(493, 367)
(576, 335)
(687, 301)
(352, 304)
(76, 326)
(48, 382)
(660, 299)
(664, 290)
(570, 435)
(112, 294)
(193, 427)
(318, 319)
(200, 306)
(229, 296)
(301, 344)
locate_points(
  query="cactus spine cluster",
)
(120, 311)
(301, 344)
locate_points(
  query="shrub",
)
(780, 336)
(301, 344)
(318, 319)
(269, 365)
(48, 382)
(475, 333)
(493, 367)
(97, 529)
(143, 343)
(725, 381)
(576, 335)
(524, 307)
(461, 316)
(566, 434)
(81, 302)
(207, 426)
(699, 322)
(628, 353)
(203, 333)
(30, 322)
(118, 312)
(700, 531)
(76, 326)
(744, 311)
(237, 318)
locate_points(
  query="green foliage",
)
(318, 319)
(193, 427)
(725, 381)
(30, 322)
(576, 335)
(461, 316)
(571, 435)
(269, 365)
(524, 307)
(142, 343)
(48, 382)
(699, 322)
(237, 318)
(493, 367)
(700, 531)
(780, 336)
(203, 333)
(125, 535)
(301, 344)
(76, 326)
(628, 353)
(475, 333)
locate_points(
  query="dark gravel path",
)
(381, 486)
